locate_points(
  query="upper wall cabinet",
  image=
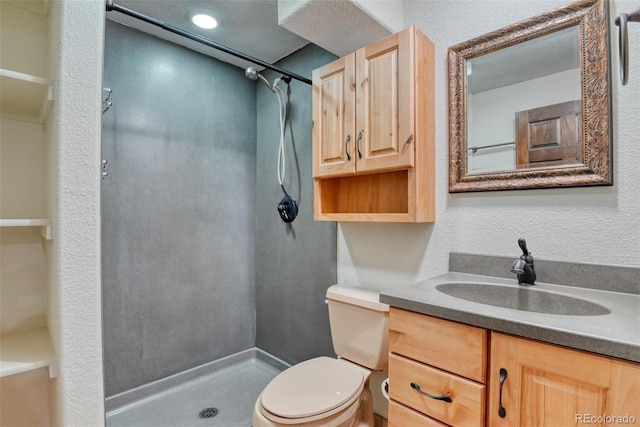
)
(373, 133)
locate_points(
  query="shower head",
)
(253, 74)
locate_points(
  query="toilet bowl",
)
(331, 392)
(318, 392)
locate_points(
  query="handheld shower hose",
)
(288, 207)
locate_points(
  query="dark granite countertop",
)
(616, 334)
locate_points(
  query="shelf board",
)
(365, 217)
(45, 223)
(24, 96)
(26, 351)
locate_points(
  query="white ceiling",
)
(248, 26)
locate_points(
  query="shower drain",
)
(208, 413)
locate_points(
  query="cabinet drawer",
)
(467, 397)
(447, 345)
(400, 416)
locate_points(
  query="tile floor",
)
(232, 390)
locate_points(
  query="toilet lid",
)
(312, 387)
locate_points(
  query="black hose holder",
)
(288, 208)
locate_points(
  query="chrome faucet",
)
(523, 266)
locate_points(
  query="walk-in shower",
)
(183, 168)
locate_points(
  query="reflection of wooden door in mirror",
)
(549, 136)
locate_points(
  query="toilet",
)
(333, 392)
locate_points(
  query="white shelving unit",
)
(44, 223)
(26, 351)
(29, 46)
(24, 96)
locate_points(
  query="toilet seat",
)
(312, 390)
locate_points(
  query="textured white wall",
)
(591, 224)
(78, 389)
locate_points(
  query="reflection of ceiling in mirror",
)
(549, 54)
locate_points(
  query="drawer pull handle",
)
(444, 398)
(358, 144)
(503, 376)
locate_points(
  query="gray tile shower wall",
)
(178, 209)
(296, 263)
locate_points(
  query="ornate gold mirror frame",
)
(592, 19)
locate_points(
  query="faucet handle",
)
(523, 245)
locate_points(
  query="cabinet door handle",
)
(501, 410)
(346, 147)
(444, 398)
(358, 143)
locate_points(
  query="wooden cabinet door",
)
(385, 73)
(547, 385)
(334, 118)
(549, 136)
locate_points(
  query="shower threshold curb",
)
(122, 401)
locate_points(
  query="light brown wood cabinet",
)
(548, 385)
(545, 384)
(373, 132)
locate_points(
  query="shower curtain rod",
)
(111, 5)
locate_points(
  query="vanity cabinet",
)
(373, 132)
(550, 385)
(545, 384)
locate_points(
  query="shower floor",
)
(232, 390)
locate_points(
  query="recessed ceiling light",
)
(203, 20)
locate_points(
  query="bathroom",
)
(279, 271)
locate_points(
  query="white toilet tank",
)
(359, 326)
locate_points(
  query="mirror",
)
(529, 104)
